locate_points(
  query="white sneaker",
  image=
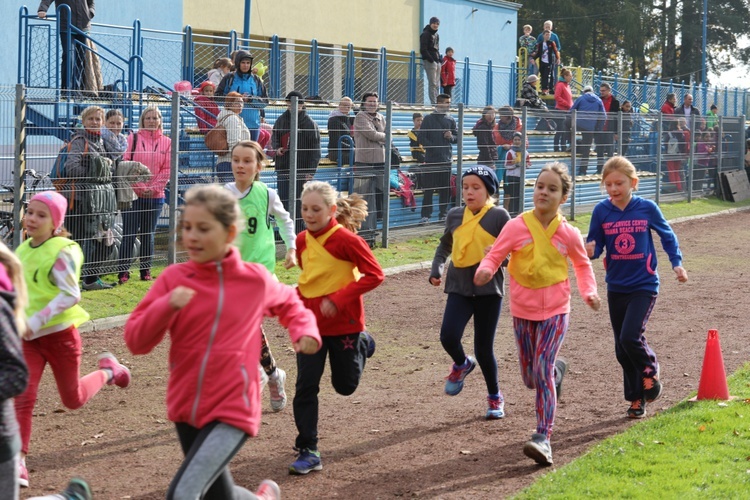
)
(424, 220)
(276, 388)
(263, 378)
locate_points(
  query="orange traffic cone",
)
(713, 383)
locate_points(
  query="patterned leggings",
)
(538, 343)
(266, 358)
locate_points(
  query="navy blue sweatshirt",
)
(626, 234)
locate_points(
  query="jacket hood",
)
(429, 30)
(589, 97)
(238, 57)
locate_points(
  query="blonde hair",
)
(619, 164)
(91, 110)
(350, 211)
(15, 272)
(219, 202)
(260, 156)
(148, 109)
(562, 170)
(527, 27)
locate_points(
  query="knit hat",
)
(487, 175)
(434, 20)
(57, 205)
(532, 78)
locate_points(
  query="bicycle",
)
(7, 228)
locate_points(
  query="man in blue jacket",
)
(437, 134)
(590, 120)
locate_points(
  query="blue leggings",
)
(629, 313)
(486, 312)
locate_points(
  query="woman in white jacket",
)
(237, 131)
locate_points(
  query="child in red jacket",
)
(213, 395)
(338, 268)
(206, 109)
(448, 72)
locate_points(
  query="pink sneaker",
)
(120, 372)
(23, 475)
(268, 490)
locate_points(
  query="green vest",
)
(37, 264)
(256, 240)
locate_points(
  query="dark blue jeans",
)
(486, 312)
(139, 220)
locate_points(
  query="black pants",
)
(486, 312)
(205, 471)
(283, 183)
(605, 149)
(436, 178)
(629, 313)
(546, 70)
(347, 354)
(587, 139)
(78, 43)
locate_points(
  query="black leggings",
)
(486, 312)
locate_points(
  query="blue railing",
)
(160, 58)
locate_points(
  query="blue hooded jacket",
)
(246, 84)
(587, 103)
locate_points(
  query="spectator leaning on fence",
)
(340, 123)
(243, 81)
(590, 120)
(437, 134)
(429, 47)
(237, 131)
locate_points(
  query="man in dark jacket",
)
(437, 134)
(429, 47)
(81, 13)
(605, 141)
(308, 152)
(340, 123)
(690, 112)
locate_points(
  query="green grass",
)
(122, 299)
(693, 450)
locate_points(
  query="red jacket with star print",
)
(344, 245)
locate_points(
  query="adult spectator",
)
(437, 134)
(590, 120)
(92, 204)
(552, 35)
(483, 130)
(690, 113)
(529, 95)
(308, 153)
(549, 57)
(563, 103)
(243, 81)
(605, 141)
(230, 118)
(151, 147)
(369, 159)
(627, 125)
(115, 142)
(429, 47)
(507, 125)
(670, 104)
(81, 14)
(340, 123)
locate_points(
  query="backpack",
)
(216, 138)
(58, 175)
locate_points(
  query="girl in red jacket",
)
(213, 395)
(448, 72)
(338, 268)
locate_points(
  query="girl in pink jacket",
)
(213, 394)
(540, 242)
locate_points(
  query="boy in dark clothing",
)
(417, 150)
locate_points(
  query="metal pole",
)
(691, 160)
(705, 31)
(573, 161)
(522, 187)
(246, 25)
(386, 181)
(619, 133)
(20, 168)
(293, 131)
(659, 126)
(174, 134)
(460, 153)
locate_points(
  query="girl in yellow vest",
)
(338, 268)
(258, 203)
(52, 269)
(469, 231)
(540, 242)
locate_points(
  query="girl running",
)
(213, 396)
(468, 231)
(540, 242)
(622, 224)
(338, 268)
(52, 267)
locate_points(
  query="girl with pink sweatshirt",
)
(213, 394)
(540, 242)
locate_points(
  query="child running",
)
(52, 268)
(468, 231)
(622, 224)
(213, 395)
(258, 203)
(540, 242)
(338, 268)
(13, 372)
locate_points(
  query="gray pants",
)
(432, 70)
(369, 183)
(9, 478)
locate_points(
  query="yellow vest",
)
(470, 239)
(539, 264)
(322, 273)
(37, 264)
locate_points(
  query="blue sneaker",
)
(77, 489)
(538, 449)
(495, 409)
(370, 344)
(307, 461)
(455, 381)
